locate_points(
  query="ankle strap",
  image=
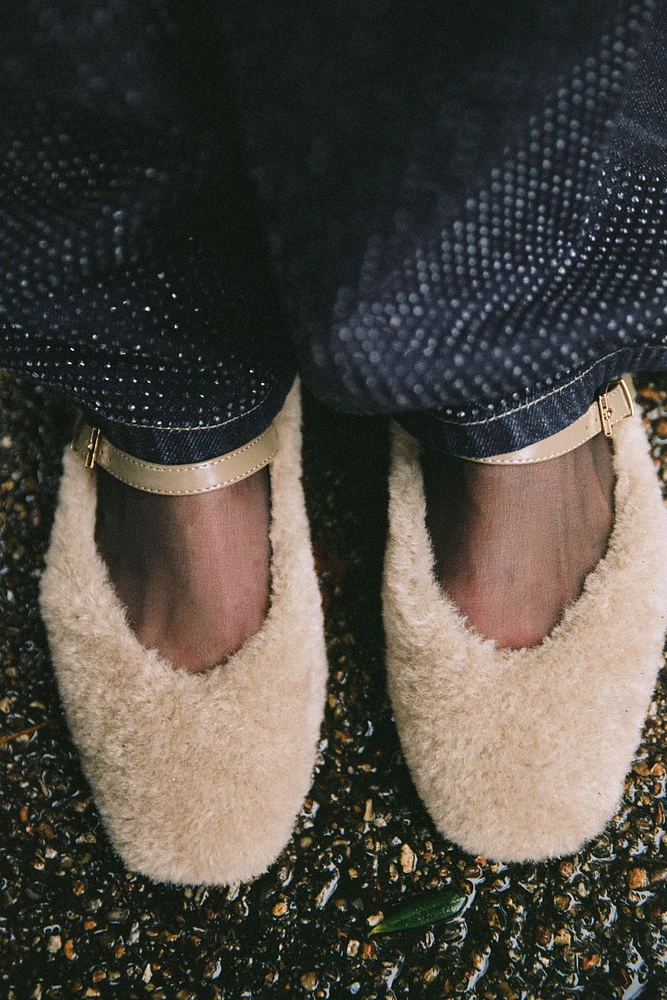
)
(612, 406)
(174, 480)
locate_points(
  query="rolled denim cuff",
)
(532, 419)
(180, 445)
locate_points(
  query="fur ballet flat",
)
(198, 777)
(521, 755)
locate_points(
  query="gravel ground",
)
(74, 922)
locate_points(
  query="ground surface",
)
(74, 922)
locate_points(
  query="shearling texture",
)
(198, 778)
(521, 755)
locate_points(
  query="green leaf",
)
(438, 906)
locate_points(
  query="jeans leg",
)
(134, 273)
(468, 201)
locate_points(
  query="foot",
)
(513, 546)
(193, 572)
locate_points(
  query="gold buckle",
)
(92, 447)
(607, 411)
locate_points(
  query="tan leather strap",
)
(174, 480)
(601, 417)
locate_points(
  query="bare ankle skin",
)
(513, 546)
(192, 572)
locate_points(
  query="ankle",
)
(512, 546)
(192, 572)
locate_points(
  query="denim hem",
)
(534, 420)
(182, 445)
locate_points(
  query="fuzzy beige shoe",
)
(198, 777)
(521, 754)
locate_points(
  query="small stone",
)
(375, 919)
(431, 974)
(54, 943)
(563, 937)
(544, 936)
(368, 950)
(661, 428)
(87, 838)
(637, 878)
(368, 811)
(652, 395)
(327, 891)
(212, 969)
(117, 916)
(6, 705)
(309, 981)
(408, 858)
(280, 908)
(166, 935)
(353, 947)
(562, 903)
(148, 974)
(590, 962)
(566, 868)
(69, 950)
(78, 888)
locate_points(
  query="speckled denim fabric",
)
(454, 213)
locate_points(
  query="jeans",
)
(455, 216)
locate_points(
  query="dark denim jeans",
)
(533, 419)
(454, 214)
(175, 445)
